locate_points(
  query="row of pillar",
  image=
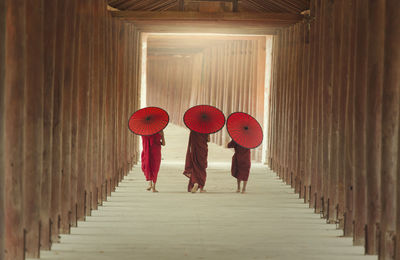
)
(230, 76)
(69, 82)
(334, 117)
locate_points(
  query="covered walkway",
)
(221, 224)
(321, 76)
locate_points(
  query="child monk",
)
(151, 158)
(241, 162)
(196, 161)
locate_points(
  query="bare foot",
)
(195, 188)
(202, 191)
(154, 190)
(243, 191)
(148, 188)
(238, 190)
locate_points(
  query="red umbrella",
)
(204, 119)
(148, 121)
(244, 130)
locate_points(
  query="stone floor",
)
(269, 222)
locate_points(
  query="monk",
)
(151, 158)
(241, 162)
(196, 161)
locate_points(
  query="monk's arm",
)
(208, 138)
(162, 138)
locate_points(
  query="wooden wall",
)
(69, 85)
(334, 117)
(230, 76)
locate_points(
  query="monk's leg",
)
(195, 188)
(244, 187)
(238, 185)
(150, 185)
(153, 188)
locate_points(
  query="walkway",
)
(269, 222)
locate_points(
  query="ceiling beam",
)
(236, 17)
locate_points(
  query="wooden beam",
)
(262, 18)
(2, 86)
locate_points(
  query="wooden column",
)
(83, 107)
(349, 130)
(49, 41)
(74, 119)
(2, 87)
(334, 110)
(390, 136)
(376, 13)
(57, 123)
(318, 84)
(343, 69)
(312, 115)
(392, 86)
(14, 120)
(33, 125)
(67, 103)
(360, 191)
(91, 114)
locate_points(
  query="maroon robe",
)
(151, 156)
(196, 159)
(241, 161)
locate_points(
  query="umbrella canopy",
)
(148, 121)
(244, 130)
(204, 119)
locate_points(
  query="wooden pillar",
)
(102, 122)
(91, 114)
(14, 120)
(285, 136)
(33, 125)
(281, 80)
(74, 119)
(318, 153)
(94, 127)
(334, 111)
(327, 76)
(350, 114)
(311, 115)
(2, 86)
(83, 107)
(360, 191)
(392, 86)
(67, 97)
(343, 69)
(49, 41)
(57, 123)
(376, 13)
(390, 136)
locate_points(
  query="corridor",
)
(220, 224)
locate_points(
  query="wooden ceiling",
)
(165, 45)
(246, 17)
(210, 16)
(276, 6)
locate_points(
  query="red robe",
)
(151, 156)
(241, 161)
(196, 159)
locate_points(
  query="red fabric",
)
(196, 159)
(151, 156)
(241, 162)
